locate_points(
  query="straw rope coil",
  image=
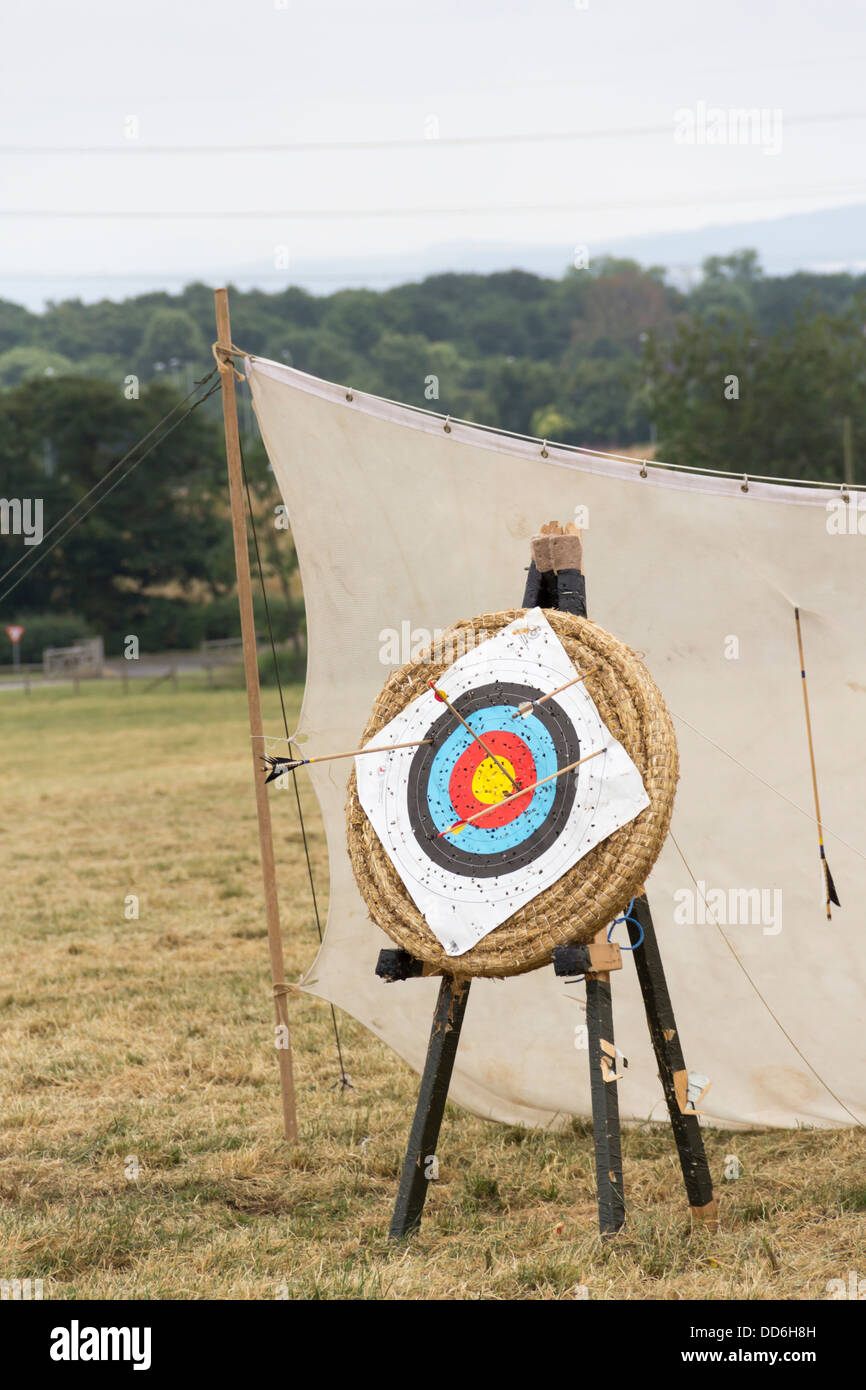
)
(598, 886)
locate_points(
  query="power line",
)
(607, 77)
(692, 199)
(132, 147)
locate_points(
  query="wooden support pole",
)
(424, 1135)
(605, 1102)
(672, 1068)
(251, 669)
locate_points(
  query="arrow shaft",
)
(567, 686)
(388, 748)
(477, 737)
(812, 755)
(469, 820)
(529, 705)
(355, 753)
(808, 726)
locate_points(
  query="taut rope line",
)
(711, 918)
(343, 1081)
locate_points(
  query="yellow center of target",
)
(490, 784)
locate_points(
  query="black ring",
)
(445, 852)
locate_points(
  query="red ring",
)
(464, 800)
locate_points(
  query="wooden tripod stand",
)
(564, 589)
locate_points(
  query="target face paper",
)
(468, 881)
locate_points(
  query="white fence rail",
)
(83, 660)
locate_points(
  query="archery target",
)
(456, 777)
(479, 817)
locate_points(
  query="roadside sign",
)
(15, 632)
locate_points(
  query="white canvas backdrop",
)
(397, 522)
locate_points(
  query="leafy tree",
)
(740, 267)
(352, 318)
(18, 327)
(723, 396)
(620, 303)
(518, 390)
(728, 285)
(550, 423)
(162, 530)
(170, 333)
(23, 363)
(605, 407)
(325, 354)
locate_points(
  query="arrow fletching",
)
(832, 895)
(277, 766)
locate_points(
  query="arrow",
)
(277, 766)
(459, 824)
(829, 885)
(440, 695)
(529, 705)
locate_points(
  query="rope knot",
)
(223, 357)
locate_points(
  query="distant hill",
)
(824, 241)
(829, 240)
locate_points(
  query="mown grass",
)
(140, 1144)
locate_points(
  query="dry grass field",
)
(140, 1147)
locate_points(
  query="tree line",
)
(741, 371)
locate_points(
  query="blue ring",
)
(474, 839)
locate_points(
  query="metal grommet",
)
(447, 425)
(643, 472)
(544, 448)
(744, 485)
(846, 496)
(349, 396)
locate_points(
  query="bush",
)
(292, 667)
(166, 625)
(172, 625)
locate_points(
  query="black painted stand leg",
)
(672, 1067)
(605, 1109)
(424, 1135)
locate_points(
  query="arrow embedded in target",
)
(277, 766)
(529, 705)
(440, 695)
(469, 820)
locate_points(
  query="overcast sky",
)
(260, 72)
